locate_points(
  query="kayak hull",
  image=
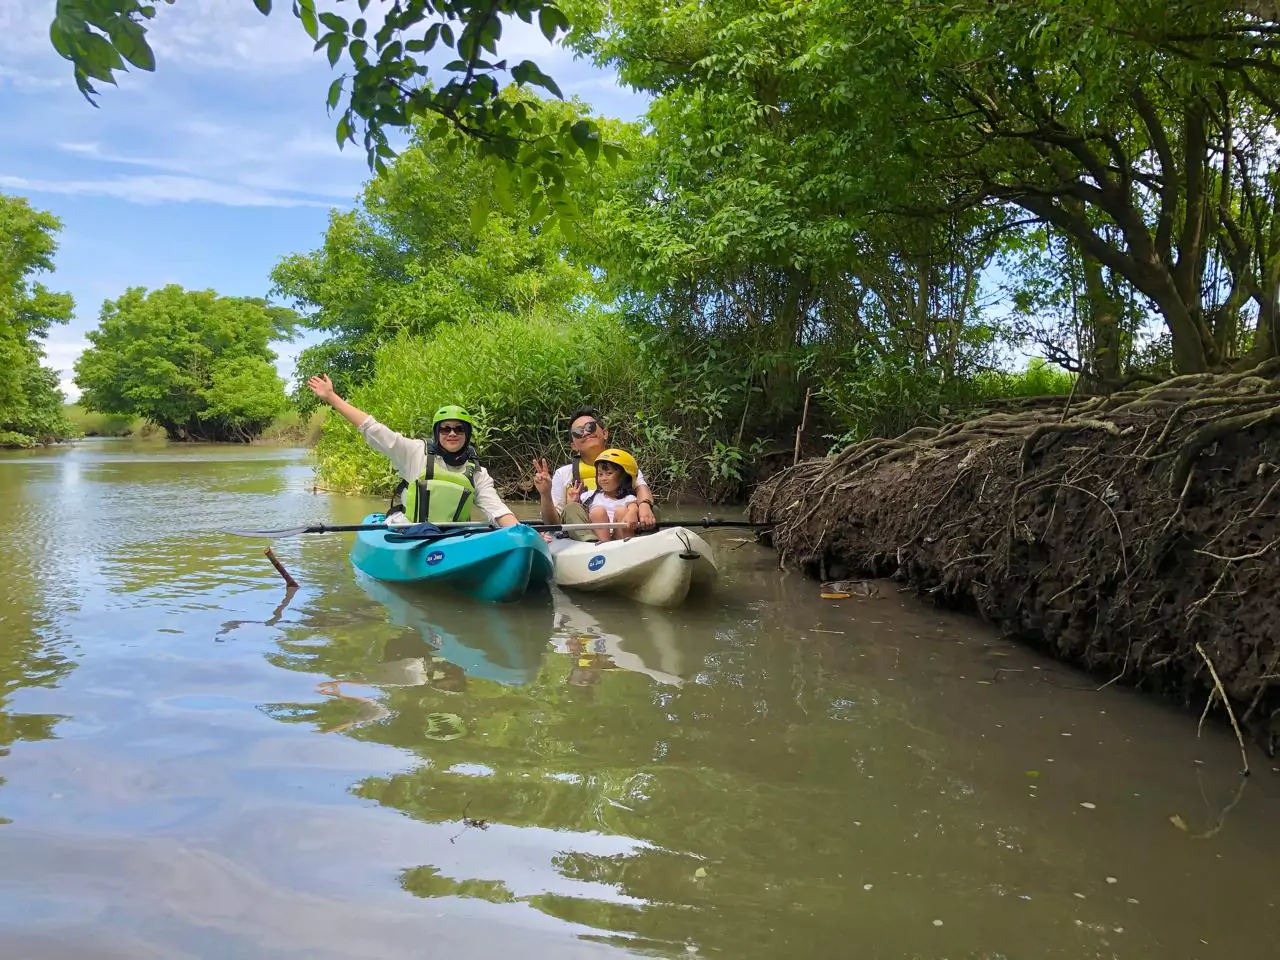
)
(493, 565)
(663, 568)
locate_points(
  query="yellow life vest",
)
(440, 495)
(585, 474)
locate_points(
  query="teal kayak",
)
(487, 564)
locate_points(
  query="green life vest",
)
(439, 495)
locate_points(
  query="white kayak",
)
(659, 568)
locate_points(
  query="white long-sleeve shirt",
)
(409, 456)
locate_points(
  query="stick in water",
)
(1218, 689)
(289, 582)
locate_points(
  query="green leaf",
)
(335, 93)
(344, 130)
(264, 6)
(358, 28)
(130, 40)
(357, 50)
(550, 19)
(446, 34)
(613, 153)
(334, 22)
(337, 42)
(307, 14)
(588, 138)
(479, 213)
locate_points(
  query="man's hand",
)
(542, 478)
(647, 520)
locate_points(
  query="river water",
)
(190, 767)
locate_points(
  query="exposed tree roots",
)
(1136, 534)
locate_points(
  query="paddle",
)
(393, 528)
(713, 522)
(705, 523)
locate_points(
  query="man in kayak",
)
(439, 479)
(589, 438)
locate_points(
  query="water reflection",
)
(352, 770)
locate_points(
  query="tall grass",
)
(294, 429)
(92, 424)
(518, 377)
(704, 418)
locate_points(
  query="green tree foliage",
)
(30, 401)
(437, 237)
(387, 84)
(196, 363)
(1139, 131)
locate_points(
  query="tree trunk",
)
(1102, 362)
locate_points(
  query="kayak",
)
(487, 564)
(661, 568)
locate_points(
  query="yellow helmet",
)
(621, 459)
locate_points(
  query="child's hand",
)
(574, 491)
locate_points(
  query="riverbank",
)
(289, 429)
(1136, 535)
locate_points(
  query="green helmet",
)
(451, 411)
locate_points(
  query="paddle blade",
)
(270, 534)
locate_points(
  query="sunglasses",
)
(460, 431)
(585, 430)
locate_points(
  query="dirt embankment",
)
(1137, 535)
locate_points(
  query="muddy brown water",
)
(190, 768)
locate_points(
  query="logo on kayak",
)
(434, 557)
(596, 562)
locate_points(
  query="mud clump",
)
(1117, 533)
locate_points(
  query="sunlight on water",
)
(193, 763)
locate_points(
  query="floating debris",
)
(937, 923)
(1178, 822)
(700, 873)
(1112, 880)
(1089, 806)
(867, 886)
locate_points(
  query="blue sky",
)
(206, 172)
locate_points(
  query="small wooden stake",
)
(289, 582)
(804, 419)
(1231, 714)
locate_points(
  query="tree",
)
(1141, 131)
(435, 238)
(388, 85)
(30, 402)
(195, 363)
(749, 215)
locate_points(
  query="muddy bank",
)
(1137, 535)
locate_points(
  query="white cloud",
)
(248, 161)
(164, 189)
(60, 356)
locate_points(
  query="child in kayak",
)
(614, 498)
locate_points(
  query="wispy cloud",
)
(278, 167)
(163, 189)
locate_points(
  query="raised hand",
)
(322, 387)
(542, 478)
(573, 492)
